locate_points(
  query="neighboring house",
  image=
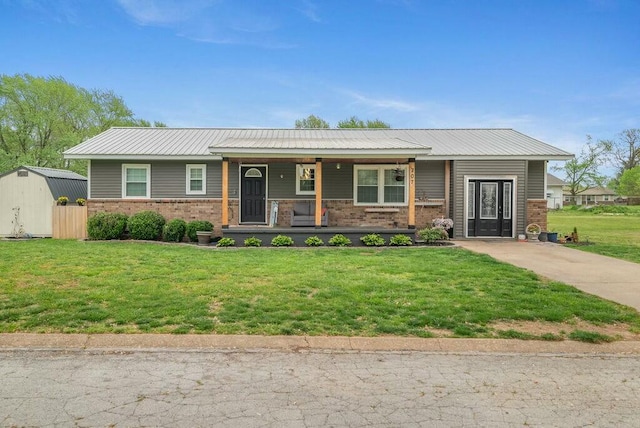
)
(28, 194)
(555, 195)
(593, 196)
(491, 182)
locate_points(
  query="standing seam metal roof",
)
(203, 141)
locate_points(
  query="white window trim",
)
(190, 167)
(305, 166)
(380, 169)
(145, 166)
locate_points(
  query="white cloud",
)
(64, 11)
(164, 12)
(381, 103)
(218, 21)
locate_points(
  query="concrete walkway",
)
(606, 277)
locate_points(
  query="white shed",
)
(27, 195)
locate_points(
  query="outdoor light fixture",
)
(338, 166)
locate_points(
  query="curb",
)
(194, 342)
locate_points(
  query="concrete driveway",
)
(606, 277)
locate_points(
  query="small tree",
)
(581, 173)
(623, 153)
(311, 122)
(629, 184)
(355, 122)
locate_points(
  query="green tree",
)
(581, 173)
(629, 183)
(311, 122)
(355, 122)
(623, 153)
(42, 117)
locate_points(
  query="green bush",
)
(313, 241)
(433, 234)
(198, 226)
(174, 230)
(610, 209)
(226, 242)
(373, 240)
(282, 241)
(106, 226)
(252, 242)
(400, 240)
(146, 225)
(339, 240)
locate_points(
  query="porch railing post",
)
(412, 194)
(225, 193)
(318, 187)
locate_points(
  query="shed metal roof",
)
(61, 182)
(149, 143)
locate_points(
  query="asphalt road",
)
(315, 388)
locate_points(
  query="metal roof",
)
(53, 173)
(131, 143)
(61, 182)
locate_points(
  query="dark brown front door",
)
(253, 193)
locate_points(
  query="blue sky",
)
(553, 69)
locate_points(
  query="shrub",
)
(433, 234)
(400, 240)
(442, 223)
(174, 230)
(106, 226)
(252, 242)
(610, 209)
(226, 242)
(198, 226)
(339, 240)
(282, 241)
(146, 225)
(313, 241)
(373, 240)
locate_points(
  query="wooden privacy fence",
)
(69, 222)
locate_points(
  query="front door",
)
(490, 208)
(253, 194)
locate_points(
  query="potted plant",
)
(533, 231)
(398, 174)
(574, 235)
(62, 200)
(81, 201)
(552, 236)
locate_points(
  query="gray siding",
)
(337, 183)
(168, 179)
(430, 179)
(106, 179)
(487, 169)
(535, 180)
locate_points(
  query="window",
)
(506, 200)
(471, 200)
(196, 179)
(306, 180)
(380, 185)
(136, 181)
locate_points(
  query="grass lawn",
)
(128, 287)
(614, 235)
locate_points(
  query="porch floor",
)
(299, 234)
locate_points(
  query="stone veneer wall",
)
(537, 212)
(342, 213)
